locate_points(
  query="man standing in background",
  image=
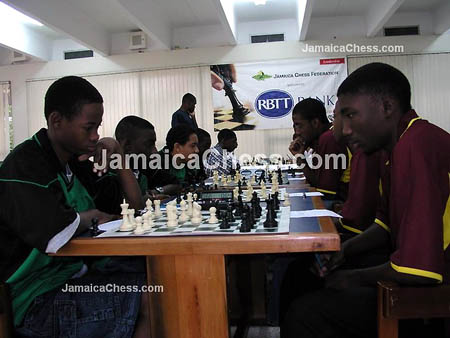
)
(186, 113)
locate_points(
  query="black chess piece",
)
(244, 224)
(244, 181)
(178, 199)
(270, 221)
(230, 214)
(94, 227)
(280, 177)
(224, 223)
(258, 207)
(276, 201)
(240, 187)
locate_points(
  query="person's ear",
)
(388, 106)
(176, 148)
(54, 120)
(315, 123)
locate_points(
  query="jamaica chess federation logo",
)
(274, 103)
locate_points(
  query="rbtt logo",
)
(274, 103)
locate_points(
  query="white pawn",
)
(131, 218)
(139, 228)
(263, 190)
(195, 196)
(212, 216)
(184, 216)
(148, 221)
(197, 214)
(287, 201)
(148, 205)
(158, 212)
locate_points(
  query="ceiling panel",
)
(272, 10)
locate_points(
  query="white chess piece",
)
(212, 216)
(287, 201)
(148, 205)
(197, 214)
(195, 196)
(224, 181)
(158, 212)
(184, 216)
(189, 206)
(139, 228)
(236, 194)
(172, 218)
(263, 190)
(131, 218)
(148, 221)
(126, 225)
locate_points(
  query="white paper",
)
(308, 194)
(314, 213)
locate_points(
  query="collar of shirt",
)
(403, 124)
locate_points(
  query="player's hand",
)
(332, 262)
(297, 146)
(192, 114)
(87, 216)
(343, 279)
(105, 146)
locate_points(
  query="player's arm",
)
(86, 218)
(127, 180)
(297, 148)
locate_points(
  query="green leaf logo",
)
(260, 76)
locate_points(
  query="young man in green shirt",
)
(49, 193)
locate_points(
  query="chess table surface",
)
(192, 268)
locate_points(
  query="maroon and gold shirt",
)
(359, 210)
(417, 209)
(329, 179)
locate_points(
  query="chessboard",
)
(160, 228)
(223, 119)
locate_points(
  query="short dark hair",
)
(127, 127)
(188, 98)
(225, 134)
(379, 79)
(202, 135)
(68, 94)
(311, 109)
(178, 134)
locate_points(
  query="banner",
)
(249, 96)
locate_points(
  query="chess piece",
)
(184, 216)
(196, 214)
(158, 212)
(224, 223)
(131, 218)
(148, 205)
(94, 228)
(270, 221)
(287, 201)
(172, 218)
(263, 191)
(276, 202)
(229, 214)
(235, 193)
(148, 221)
(190, 200)
(239, 187)
(139, 228)
(195, 196)
(126, 224)
(212, 216)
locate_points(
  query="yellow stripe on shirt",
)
(326, 191)
(417, 272)
(349, 228)
(446, 220)
(382, 224)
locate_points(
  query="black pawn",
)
(94, 227)
(270, 221)
(230, 215)
(224, 223)
(178, 199)
(276, 202)
(240, 187)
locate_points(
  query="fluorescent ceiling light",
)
(10, 14)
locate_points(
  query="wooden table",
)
(192, 271)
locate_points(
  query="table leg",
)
(194, 301)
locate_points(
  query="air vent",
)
(397, 31)
(18, 57)
(138, 40)
(79, 54)
(267, 38)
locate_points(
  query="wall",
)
(287, 27)
(259, 141)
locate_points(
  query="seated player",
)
(181, 147)
(204, 143)
(137, 137)
(221, 158)
(186, 113)
(414, 214)
(313, 130)
(49, 192)
(359, 210)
